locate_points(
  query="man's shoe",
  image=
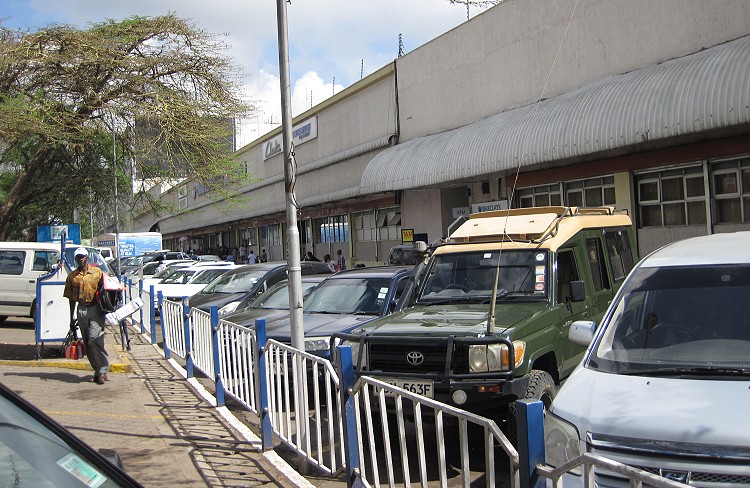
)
(104, 376)
(99, 380)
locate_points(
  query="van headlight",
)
(561, 442)
(228, 308)
(494, 357)
(313, 344)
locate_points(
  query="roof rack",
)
(522, 224)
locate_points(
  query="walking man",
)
(80, 289)
(340, 260)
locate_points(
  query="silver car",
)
(665, 383)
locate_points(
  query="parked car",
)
(407, 254)
(246, 282)
(21, 263)
(343, 301)
(665, 381)
(273, 303)
(186, 282)
(37, 451)
(135, 262)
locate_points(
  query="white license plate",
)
(419, 387)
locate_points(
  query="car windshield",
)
(277, 297)
(31, 455)
(349, 296)
(206, 276)
(181, 276)
(469, 276)
(679, 320)
(242, 281)
(166, 272)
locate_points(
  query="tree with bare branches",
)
(68, 95)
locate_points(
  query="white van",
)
(665, 383)
(21, 263)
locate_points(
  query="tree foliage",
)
(162, 87)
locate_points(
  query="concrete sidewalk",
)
(165, 431)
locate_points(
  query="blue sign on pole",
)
(54, 233)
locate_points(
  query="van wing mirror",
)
(577, 291)
(582, 332)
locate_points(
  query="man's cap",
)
(81, 251)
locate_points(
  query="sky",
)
(332, 43)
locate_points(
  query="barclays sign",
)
(301, 133)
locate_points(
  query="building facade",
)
(642, 105)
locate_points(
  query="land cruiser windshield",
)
(682, 321)
(469, 276)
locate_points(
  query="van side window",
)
(620, 254)
(596, 263)
(44, 259)
(11, 262)
(566, 272)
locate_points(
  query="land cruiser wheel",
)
(541, 387)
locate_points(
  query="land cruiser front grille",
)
(396, 357)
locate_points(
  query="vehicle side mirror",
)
(582, 332)
(577, 291)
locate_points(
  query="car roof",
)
(372, 272)
(725, 248)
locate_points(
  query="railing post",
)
(217, 364)
(152, 314)
(345, 368)
(140, 294)
(530, 428)
(188, 338)
(266, 430)
(162, 321)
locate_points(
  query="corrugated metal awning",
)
(692, 94)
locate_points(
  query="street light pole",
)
(293, 260)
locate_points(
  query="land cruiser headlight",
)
(494, 357)
(561, 442)
(228, 308)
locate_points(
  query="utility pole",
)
(293, 260)
(294, 270)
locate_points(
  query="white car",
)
(186, 282)
(665, 384)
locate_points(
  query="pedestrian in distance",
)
(80, 289)
(263, 257)
(251, 257)
(331, 265)
(340, 260)
(243, 254)
(310, 257)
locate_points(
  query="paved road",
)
(165, 433)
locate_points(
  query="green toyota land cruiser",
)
(546, 267)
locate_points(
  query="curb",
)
(119, 362)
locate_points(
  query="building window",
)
(182, 197)
(672, 198)
(593, 192)
(332, 229)
(540, 196)
(485, 187)
(388, 222)
(731, 190)
(363, 225)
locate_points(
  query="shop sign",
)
(301, 133)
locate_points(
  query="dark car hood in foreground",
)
(447, 320)
(317, 325)
(248, 316)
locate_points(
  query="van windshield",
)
(679, 320)
(469, 276)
